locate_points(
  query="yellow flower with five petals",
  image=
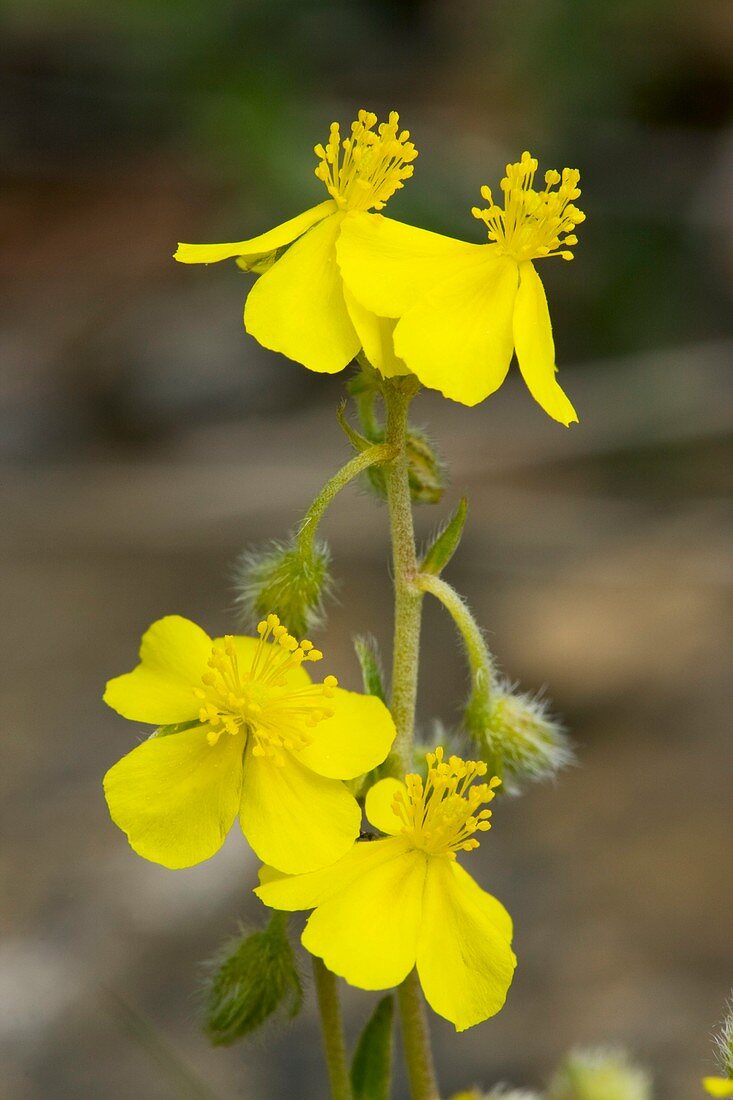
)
(403, 900)
(299, 305)
(463, 309)
(262, 742)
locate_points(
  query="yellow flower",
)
(264, 743)
(403, 900)
(298, 306)
(465, 308)
(718, 1086)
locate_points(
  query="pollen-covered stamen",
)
(259, 700)
(364, 170)
(533, 224)
(441, 815)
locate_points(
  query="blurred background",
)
(146, 440)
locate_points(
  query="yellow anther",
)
(531, 223)
(441, 815)
(260, 701)
(373, 166)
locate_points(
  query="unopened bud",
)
(425, 470)
(519, 739)
(285, 579)
(723, 1086)
(253, 977)
(599, 1075)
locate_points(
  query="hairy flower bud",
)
(254, 975)
(724, 1041)
(723, 1086)
(286, 579)
(599, 1075)
(425, 469)
(519, 739)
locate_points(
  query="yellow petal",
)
(281, 891)
(294, 819)
(388, 265)
(356, 739)
(256, 247)
(376, 337)
(458, 338)
(378, 806)
(176, 797)
(248, 648)
(298, 307)
(718, 1086)
(536, 348)
(367, 933)
(173, 656)
(464, 958)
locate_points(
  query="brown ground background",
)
(146, 440)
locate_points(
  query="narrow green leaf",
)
(358, 441)
(446, 543)
(371, 1068)
(371, 666)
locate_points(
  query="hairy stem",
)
(329, 1008)
(416, 1040)
(380, 452)
(408, 598)
(479, 657)
(406, 653)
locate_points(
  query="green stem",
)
(332, 1029)
(415, 1040)
(380, 452)
(408, 599)
(406, 653)
(479, 657)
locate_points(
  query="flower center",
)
(533, 224)
(258, 700)
(441, 815)
(373, 164)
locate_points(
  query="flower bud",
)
(599, 1075)
(724, 1041)
(723, 1086)
(425, 470)
(254, 975)
(286, 579)
(519, 739)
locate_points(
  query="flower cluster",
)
(414, 301)
(241, 729)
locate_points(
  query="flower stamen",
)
(258, 700)
(441, 815)
(373, 166)
(533, 224)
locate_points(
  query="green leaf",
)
(371, 1068)
(446, 543)
(371, 666)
